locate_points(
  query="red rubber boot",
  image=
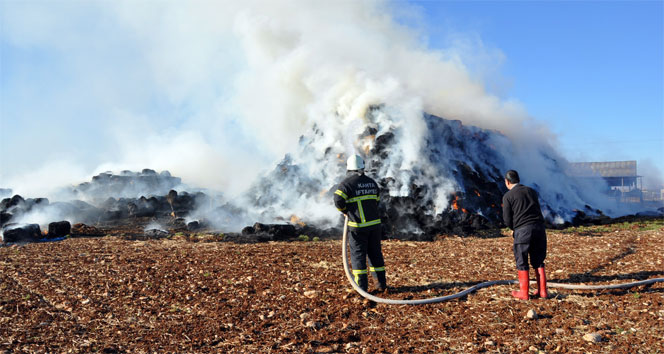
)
(541, 292)
(523, 284)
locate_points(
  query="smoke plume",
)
(219, 92)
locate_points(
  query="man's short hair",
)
(512, 177)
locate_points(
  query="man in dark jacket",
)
(357, 197)
(522, 213)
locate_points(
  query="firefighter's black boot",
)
(380, 278)
(363, 282)
(361, 279)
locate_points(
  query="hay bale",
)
(59, 229)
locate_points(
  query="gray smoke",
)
(218, 93)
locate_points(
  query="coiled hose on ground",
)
(486, 284)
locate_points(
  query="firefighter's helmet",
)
(354, 163)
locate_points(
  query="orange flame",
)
(341, 158)
(294, 219)
(366, 143)
(455, 204)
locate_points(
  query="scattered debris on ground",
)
(202, 294)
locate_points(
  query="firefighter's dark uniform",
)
(522, 213)
(357, 196)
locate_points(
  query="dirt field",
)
(112, 295)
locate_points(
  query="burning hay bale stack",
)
(450, 180)
(457, 153)
(126, 184)
(138, 194)
(15, 207)
(457, 187)
(109, 201)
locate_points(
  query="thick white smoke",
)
(218, 91)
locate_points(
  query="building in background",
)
(650, 194)
(621, 178)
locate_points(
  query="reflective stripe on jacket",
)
(358, 197)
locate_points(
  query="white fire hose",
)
(485, 284)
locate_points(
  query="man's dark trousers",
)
(530, 240)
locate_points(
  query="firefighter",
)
(522, 214)
(357, 197)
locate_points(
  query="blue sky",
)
(592, 70)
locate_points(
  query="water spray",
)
(344, 244)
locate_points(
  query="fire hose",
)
(486, 284)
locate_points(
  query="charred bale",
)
(16, 200)
(155, 234)
(583, 219)
(157, 205)
(282, 232)
(479, 222)
(21, 233)
(382, 143)
(14, 205)
(59, 229)
(402, 217)
(148, 206)
(183, 203)
(276, 231)
(179, 224)
(140, 208)
(194, 225)
(4, 218)
(115, 209)
(114, 214)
